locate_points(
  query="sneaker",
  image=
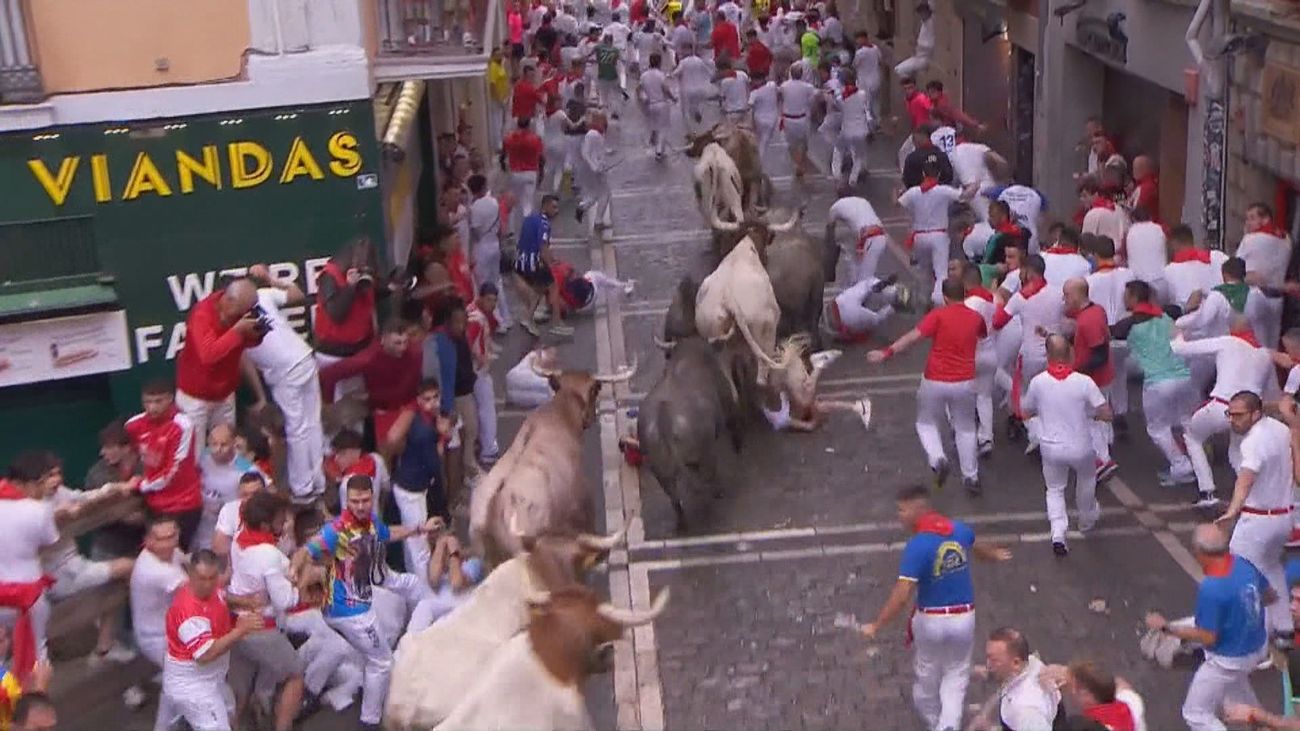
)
(888, 281)
(488, 460)
(134, 697)
(311, 705)
(531, 329)
(823, 359)
(973, 486)
(1294, 540)
(863, 406)
(1058, 548)
(629, 287)
(1085, 527)
(1031, 447)
(1284, 641)
(1106, 471)
(941, 473)
(503, 329)
(903, 299)
(563, 331)
(1167, 478)
(118, 653)
(1207, 500)
(985, 449)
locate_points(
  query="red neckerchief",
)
(933, 522)
(10, 491)
(850, 90)
(1191, 253)
(967, 231)
(1270, 229)
(1029, 290)
(1099, 201)
(1115, 716)
(980, 292)
(363, 466)
(1062, 249)
(729, 74)
(1104, 265)
(1059, 371)
(347, 520)
(1219, 566)
(573, 75)
(1075, 315)
(247, 538)
(1008, 227)
(1246, 334)
(928, 183)
(1146, 308)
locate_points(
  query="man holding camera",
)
(217, 331)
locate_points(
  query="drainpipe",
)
(1214, 73)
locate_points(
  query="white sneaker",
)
(628, 287)
(134, 697)
(823, 359)
(1208, 501)
(864, 411)
(118, 653)
(1031, 447)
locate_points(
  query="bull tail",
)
(749, 336)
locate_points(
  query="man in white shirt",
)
(972, 165)
(1027, 206)
(765, 104)
(220, 469)
(867, 64)
(796, 104)
(1106, 288)
(620, 34)
(928, 204)
(26, 527)
(1241, 364)
(1040, 308)
(862, 308)
(1064, 260)
(694, 77)
(733, 88)
(1190, 268)
(1066, 403)
(1145, 249)
(159, 571)
(855, 124)
(285, 362)
(1025, 703)
(485, 243)
(830, 98)
(868, 232)
(658, 98)
(1266, 249)
(1102, 216)
(1210, 313)
(593, 175)
(920, 59)
(258, 569)
(648, 40)
(981, 300)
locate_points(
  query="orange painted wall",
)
(91, 45)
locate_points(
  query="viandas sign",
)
(176, 203)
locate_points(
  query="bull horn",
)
(633, 618)
(602, 543)
(515, 530)
(625, 373)
(544, 372)
(537, 599)
(717, 223)
(665, 345)
(779, 228)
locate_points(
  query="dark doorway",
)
(1022, 116)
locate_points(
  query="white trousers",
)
(349, 385)
(869, 261)
(412, 505)
(933, 248)
(523, 186)
(611, 96)
(556, 155)
(939, 401)
(1029, 366)
(855, 145)
(658, 117)
(487, 268)
(205, 414)
(207, 522)
(855, 316)
(796, 133)
(1215, 683)
(204, 706)
(304, 438)
(1117, 391)
(1165, 405)
(485, 398)
(324, 654)
(1058, 461)
(766, 130)
(1210, 419)
(912, 65)
(597, 200)
(1261, 539)
(362, 632)
(1265, 315)
(496, 117)
(986, 370)
(692, 105)
(942, 645)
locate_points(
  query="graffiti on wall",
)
(1215, 155)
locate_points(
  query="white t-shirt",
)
(263, 568)
(765, 103)
(977, 240)
(735, 92)
(797, 97)
(1265, 255)
(1292, 380)
(282, 356)
(153, 582)
(1212, 319)
(968, 163)
(221, 481)
(945, 138)
(856, 115)
(732, 12)
(1064, 406)
(1106, 222)
(654, 86)
(929, 208)
(1266, 451)
(683, 39)
(1026, 206)
(1061, 267)
(26, 526)
(1046, 308)
(925, 39)
(647, 44)
(1146, 251)
(1184, 277)
(1239, 366)
(229, 522)
(855, 212)
(866, 62)
(484, 223)
(1106, 288)
(620, 34)
(695, 74)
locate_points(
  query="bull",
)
(741, 145)
(535, 680)
(420, 695)
(538, 484)
(797, 266)
(718, 187)
(682, 418)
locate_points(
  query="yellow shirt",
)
(10, 692)
(498, 85)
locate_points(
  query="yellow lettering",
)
(99, 177)
(57, 187)
(145, 178)
(240, 175)
(209, 170)
(346, 160)
(300, 162)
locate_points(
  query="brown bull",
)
(537, 486)
(740, 142)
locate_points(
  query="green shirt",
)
(811, 46)
(606, 63)
(1149, 342)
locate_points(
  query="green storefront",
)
(110, 233)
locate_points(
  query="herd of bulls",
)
(515, 655)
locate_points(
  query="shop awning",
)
(53, 298)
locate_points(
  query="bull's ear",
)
(554, 383)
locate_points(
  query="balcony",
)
(415, 40)
(20, 81)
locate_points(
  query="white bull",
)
(718, 187)
(535, 681)
(422, 693)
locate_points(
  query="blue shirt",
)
(418, 466)
(356, 565)
(940, 566)
(446, 350)
(1232, 607)
(534, 234)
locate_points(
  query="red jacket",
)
(208, 366)
(170, 456)
(758, 59)
(358, 325)
(725, 39)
